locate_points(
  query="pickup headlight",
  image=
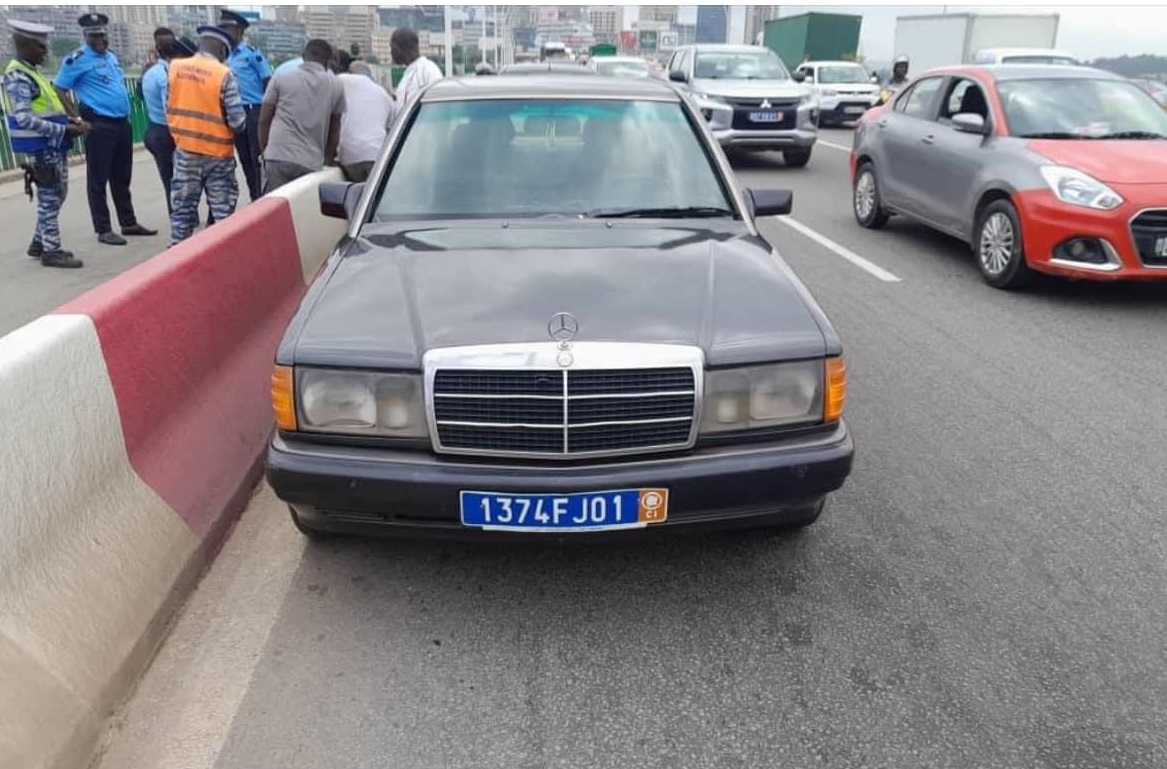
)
(764, 396)
(361, 403)
(1080, 189)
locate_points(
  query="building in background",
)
(712, 24)
(607, 21)
(657, 14)
(756, 18)
(417, 17)
(279, 40)
(341, 25)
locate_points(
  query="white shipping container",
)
(949, 39)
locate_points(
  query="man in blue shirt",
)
(252, 73)
(153, 84)
(290, 64)
(94, 74)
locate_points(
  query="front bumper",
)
(797, 138)
(838, 109)
(1047, 223)
(393, 492)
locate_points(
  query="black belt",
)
(251, 107)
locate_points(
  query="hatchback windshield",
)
(763, 64)
(622, 68)
(506, 158)
(837, 74)
(1064, 108)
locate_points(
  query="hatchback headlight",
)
(361, 403)
(763, 396)
(1080, 189)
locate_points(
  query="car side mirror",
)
(678, 76)
(798, 77)
(970, 123)
(338, 200)
(875, 79)
(773, 202)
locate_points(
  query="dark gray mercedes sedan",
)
(552, 313)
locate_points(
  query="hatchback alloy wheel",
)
(997, 243)
(865, 195)
(865, 202)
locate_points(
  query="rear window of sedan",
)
(501, 158)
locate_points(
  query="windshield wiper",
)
(1133, 135)
(1052, 135)
(674, 212)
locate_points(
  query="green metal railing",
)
(137, 122)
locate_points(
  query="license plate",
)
(766, 117)
(1161, 247)
(854, 110)
(589, 511)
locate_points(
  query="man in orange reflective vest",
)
(203, 112)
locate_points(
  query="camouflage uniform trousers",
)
(194, 174)
(49, 201)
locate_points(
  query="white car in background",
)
(845, 89)
(620, 66)
(1025, 56)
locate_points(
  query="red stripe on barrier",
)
(189, 338)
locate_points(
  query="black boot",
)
(35, 249)
(60, 258)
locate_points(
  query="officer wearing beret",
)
(253, 73)
(95, 75)
(41, 134)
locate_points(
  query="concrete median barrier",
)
(135, 421)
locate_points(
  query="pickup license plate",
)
(589, 511)
(766, 117)
(1161, 247)
(854, 110)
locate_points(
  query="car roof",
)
(620, 59)
(1006, 72)
(550, 84)
(832, 63)
(728, 48)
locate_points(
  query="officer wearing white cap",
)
(95, 75)
(41, 133)
(204, 114)
(253, 72)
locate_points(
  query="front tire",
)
(796, 158)
(999, 247)
(866, 203)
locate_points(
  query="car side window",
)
(686, 57)
(809, 72)
(917, 101)
(964, 96)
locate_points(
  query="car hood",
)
(750, 89)
(1117, 161)
(391, 297)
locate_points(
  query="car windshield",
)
(496, 158)
(838, 74)
(740, 65)
(1037, 59)
(1080, 108)
(622, 68)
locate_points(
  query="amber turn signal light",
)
(283, 398)
(836, 389)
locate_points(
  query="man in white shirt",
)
(419, 71)
(369, 113)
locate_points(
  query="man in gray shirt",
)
(299, 122)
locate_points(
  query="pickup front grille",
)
(564, 413)
(1149, 231)
(744, 108)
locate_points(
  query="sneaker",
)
(60, 258)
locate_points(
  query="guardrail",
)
(137, 121)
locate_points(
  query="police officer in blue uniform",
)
(253, 73)
(41, 134)
(95, 75)
(152, 90)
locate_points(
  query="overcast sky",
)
(1089, 32)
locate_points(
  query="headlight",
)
(1079, 189)
(829, 92)
(361, 403)
(711, 97)
(763, 396)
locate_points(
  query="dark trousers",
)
(247, 145)
(160, 144)
(109, 160)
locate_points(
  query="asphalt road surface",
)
(29, 289)
(987, 590)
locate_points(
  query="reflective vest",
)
(194, 108)
(46, 105)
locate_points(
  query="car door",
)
(901, 131)
(953, 163)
